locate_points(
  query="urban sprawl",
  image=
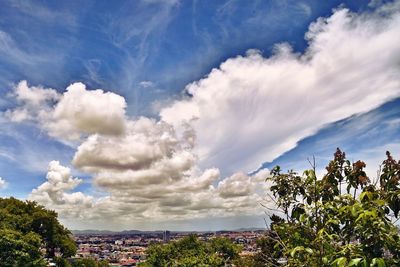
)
(129, 248)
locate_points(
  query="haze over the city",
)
(169, 114)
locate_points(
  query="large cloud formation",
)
(249, 110)
(149, 174)
(252, 109)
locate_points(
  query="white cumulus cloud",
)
(75, 113)
(55, 192)
(34, 102)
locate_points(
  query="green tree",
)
(86, 262)
(343, 219)
(25, 228)
(190, 251)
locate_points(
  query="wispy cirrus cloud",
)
(43, 13)
(11, 51)
(136, 36)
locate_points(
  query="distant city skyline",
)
(169, 114)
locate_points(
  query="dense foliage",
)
(86, 262)
(25, 229)
(190, 251)
(343, 219)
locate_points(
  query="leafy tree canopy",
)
(86, 262)
(343, 219)
(26, 228)
(190, 251)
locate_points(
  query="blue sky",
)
(118, 46)
(156, 58)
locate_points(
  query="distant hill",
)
(249, 229)
(135, 232)
(107, 232)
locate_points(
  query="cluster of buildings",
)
(129, 248)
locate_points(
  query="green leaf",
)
(354, 262)
(339, 262)
(303, 218)
(363, 195)
(354, 210)
(309, 250)
(365, 263)
(379, 262)
(295, 250)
